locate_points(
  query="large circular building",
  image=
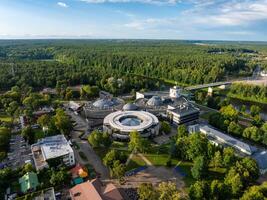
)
(121, 123)
(102, 107)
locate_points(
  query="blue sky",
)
(138, 19)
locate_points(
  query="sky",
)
(134, 19)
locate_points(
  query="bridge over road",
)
(197, 87)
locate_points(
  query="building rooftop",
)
(154, 93)
(106, 103)
(261, 158)
(182, 107)
(130, 106)
(54, 146)
(228, 139)
(28, 181)
(46, 194)
(50, 147)
(44, 110)
(155, 101)
(95, 190)
(74, 105)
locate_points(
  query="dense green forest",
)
(256, 93)
(42, 63)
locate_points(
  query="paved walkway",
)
(129, 158)
(145, 159)
(92, 157)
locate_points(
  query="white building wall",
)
(71, 159)
(139, 95)
(175, 92)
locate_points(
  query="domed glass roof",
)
(130, 121)
(105, 103)
(130, 106)
(154, 101)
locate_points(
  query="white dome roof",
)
(130, 106)
(105, 103)
(154, 101)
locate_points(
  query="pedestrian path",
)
(145, 159)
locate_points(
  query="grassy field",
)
(251, 99)
(117, 144)
(158, 156)
(120, 146)
(5, 118)
(135, 162)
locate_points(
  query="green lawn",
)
(161, 159)
(120, 146)
(159, 149)
(251, 99)
(157, 159)
(5, 118)
(135, 162)
(117, 144)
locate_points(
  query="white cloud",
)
(156, 2)
(151, 23)
(231, 13)
(62, 4)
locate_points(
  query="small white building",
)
(263, 73)
(50, 148)
(183, 112)
(220, 138)
(74, 106)
(175, 92)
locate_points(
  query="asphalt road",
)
(92, 157)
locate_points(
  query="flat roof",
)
(54, 146)
(154, 93)
(182, 108)
(228, 139)
(261, 158)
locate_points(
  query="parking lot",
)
(19, 152)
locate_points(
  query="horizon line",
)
(159, 39)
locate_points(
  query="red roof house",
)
(95, 190)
